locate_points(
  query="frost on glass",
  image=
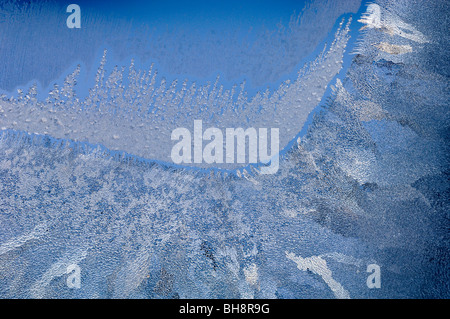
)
(138, 117)
(366, 185)
(262, 54)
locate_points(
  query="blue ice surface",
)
(104, 23)
(210, 19)
(139, 229)
(129, 31)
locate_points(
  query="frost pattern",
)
(368, 183)
(318, 266)
(262, 54)
(138, 117)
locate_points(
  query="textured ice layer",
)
(368, 184)
(247, 47)
(139, 118)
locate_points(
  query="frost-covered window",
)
(224, 149)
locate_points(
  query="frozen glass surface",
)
(93, 204)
